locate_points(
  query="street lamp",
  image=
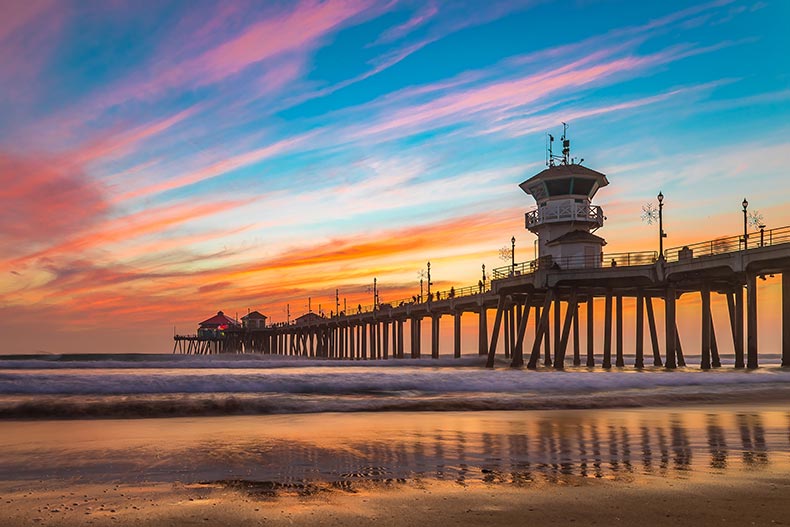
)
(513, 255)
(745, 232)
(660, 198)
(429, 280)
(762, 235)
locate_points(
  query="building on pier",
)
(253, 320)
(217, 325)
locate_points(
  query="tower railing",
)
(567, 210)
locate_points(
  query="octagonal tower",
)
(565, 217)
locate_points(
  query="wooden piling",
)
(785, 319)
(619, 359)
(457, 334)
(669, 327)
(541, 328)
(751, 321)
(639, 361)
(607, 331)
(591, 331)
(705, 352)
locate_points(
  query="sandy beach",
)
(758, 500)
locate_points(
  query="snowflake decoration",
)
(649, 213)
(505, 254)
(755, 219)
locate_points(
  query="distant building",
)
(308, 318)
(217, 325)
(253, 320)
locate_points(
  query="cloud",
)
(45, 198)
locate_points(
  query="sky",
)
(165, 160)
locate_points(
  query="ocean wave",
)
(192, 405)
(371, 381)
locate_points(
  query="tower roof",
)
(220, 319)
(577, 236)
(564, 180)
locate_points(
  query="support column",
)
(738, 331)
(385, 339)
(705, 352)
(559, 352)
(482, 348)
(714, 345)
(670, 328)
(619, 360)
(400, 338)
(495, 333)
(435, 336)
(518, 349)
(557, 328)
(651, 322)
(785, 319)
(576, 358)
(508, 323)
(607, 331)
(457, 334)
(591, 331)
(363, 341)
(751, 321)
(541, 327)
(639, 362)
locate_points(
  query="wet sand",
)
(657, 501)
(710, 465)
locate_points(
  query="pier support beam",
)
(576, 357)
(541, 327)
(557, 328)
(559, 352)
(400, 338)
(619, 359)
(705, 351)
(435, 336)
(457, 334)
(670, 329)
(639, 361)
(495, 333)
(482, 348)
(591, 331)
(607, 331)
(751, 321)
(518, 349)
(785, 319)
(651, 322)
(385, 339)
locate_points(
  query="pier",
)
(556, 294)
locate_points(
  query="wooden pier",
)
(549, 296)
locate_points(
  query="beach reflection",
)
(270, 453)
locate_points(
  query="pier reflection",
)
(347, 451)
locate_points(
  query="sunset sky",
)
(160, 161)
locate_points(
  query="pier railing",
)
(443, 294)
(729, 244)
(577, 262)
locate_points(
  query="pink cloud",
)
(44, 198)
(418, 19)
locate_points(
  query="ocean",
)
(150, 386)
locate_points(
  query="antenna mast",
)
(566, 145)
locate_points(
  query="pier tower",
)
(565, 218)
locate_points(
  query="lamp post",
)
(660, 223)
(429, 280)
(513, 255)
(762, 235)
(745, 231)
(375, 295)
